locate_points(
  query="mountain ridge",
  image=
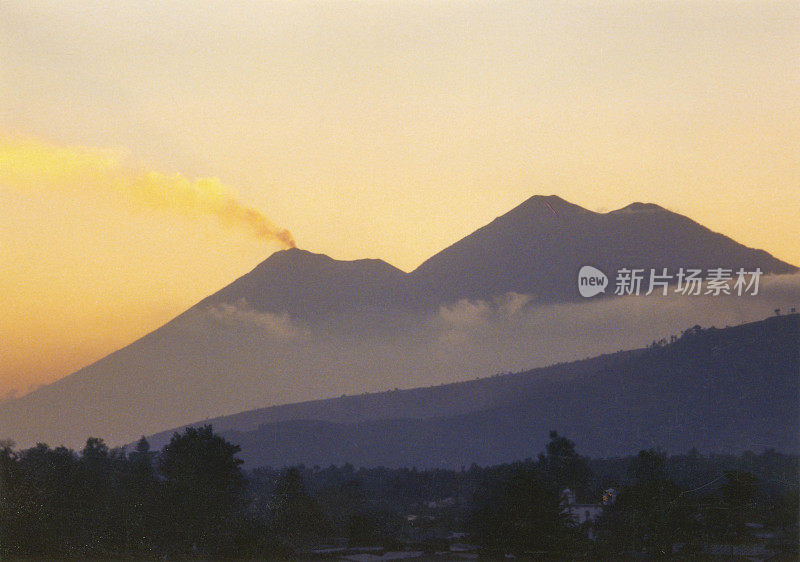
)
(536, 249)
(539, 246)
(303, 325)
(525, 405)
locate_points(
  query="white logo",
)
(591, 281)
(629, 281)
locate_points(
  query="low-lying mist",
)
(468, 339)
(228, 358)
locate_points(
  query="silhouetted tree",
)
(296, 517)
(203, 484)
(139, 500)
(50, 500)
(733, 507)
(98, 483)
(526, 517)
(9, 482)
(563, 467)
(651, 515)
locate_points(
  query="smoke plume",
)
(31, 164)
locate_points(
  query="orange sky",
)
(374, 129)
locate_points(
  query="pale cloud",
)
(240, 314)
(512, 330)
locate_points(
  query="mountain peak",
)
(296, 256)
(538, 247)
(638, 207)
(548, 205)
(309, 285)
(534, 249)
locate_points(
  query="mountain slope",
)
(538, 247)
(418, 403)
(725, 390)
(303, 326)
(310, 286)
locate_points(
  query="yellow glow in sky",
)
(80, 275)
(369, 129)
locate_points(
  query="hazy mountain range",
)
(535, 249)
(304, 326)
(719, 390)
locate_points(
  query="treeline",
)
(188, 499)
(192, 499)
(661, 502)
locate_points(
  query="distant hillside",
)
(719, 390)
(417, 403)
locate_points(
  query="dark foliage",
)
(185, 500)
(192, 500)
